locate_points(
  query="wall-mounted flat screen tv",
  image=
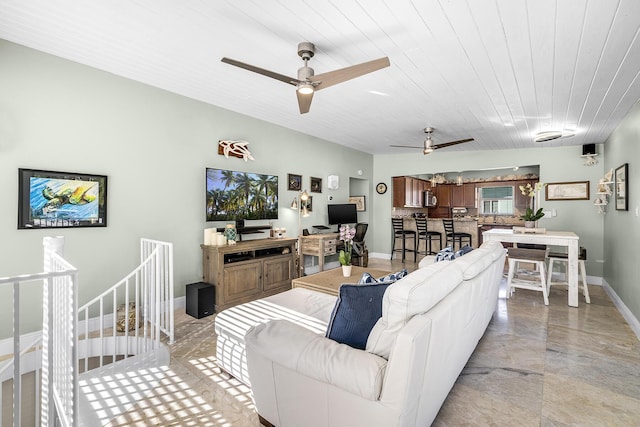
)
(344, 213)
(50, 199)
(235, 195)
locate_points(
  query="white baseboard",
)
(623, 309)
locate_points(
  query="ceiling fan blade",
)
(273, 75)
(343, 74)
(449, 144)
(304, 101)
(405, 146)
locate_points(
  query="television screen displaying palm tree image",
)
(241, 195)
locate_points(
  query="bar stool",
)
(427, 236)
(532, 256)
(453, 236)
(400, 233)
(563, 258)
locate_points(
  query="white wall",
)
(154, 147)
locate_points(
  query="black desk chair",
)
(454, 236)
(400, 233)
(427, 236)
(360, 253)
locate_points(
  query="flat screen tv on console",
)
(240, 195)
(344, 213)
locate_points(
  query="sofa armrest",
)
(312, 355)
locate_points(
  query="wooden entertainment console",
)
(249, 270)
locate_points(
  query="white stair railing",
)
(55, 373)
(146, 299)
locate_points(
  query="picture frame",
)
(294, 182)
(52, 199)
(315, 185)
(309, 204)
(577, 190)
(622, 187)
(359, 201)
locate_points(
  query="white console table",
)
(554, 238)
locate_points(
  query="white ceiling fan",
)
(307, 83)
(429, 146)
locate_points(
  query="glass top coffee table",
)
(329, 281)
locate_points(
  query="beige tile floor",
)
(535, 366)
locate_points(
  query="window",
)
(496, 200)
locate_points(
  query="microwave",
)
(430, 200)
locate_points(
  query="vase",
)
(529, 224)
(346, 270)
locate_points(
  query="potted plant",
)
(530, 217)
(346, 235)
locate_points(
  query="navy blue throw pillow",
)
(357, 309)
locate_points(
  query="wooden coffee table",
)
(329, 281)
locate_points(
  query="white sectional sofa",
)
(431, 322)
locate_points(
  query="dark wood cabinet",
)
(469, 196)
(443, 193)
(521, 201)
(408, 192)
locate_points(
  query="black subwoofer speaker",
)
(588, 149)
(201, 298)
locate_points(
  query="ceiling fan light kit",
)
(307, 82)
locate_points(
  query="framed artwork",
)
(50, 199)
(622, 187)
(294, 182)
(315, 186)
(309, 204)
(359, 202)
(578, 190)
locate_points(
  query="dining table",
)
(567, 239)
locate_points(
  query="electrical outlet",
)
(330, 198)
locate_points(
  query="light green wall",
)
(622, 228)
(556, 165)
(154, 147)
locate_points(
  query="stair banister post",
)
(51, 245)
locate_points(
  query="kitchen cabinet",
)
(249, 270)
(470, 196)
(408, 192)
(522, 202)
(443, 193)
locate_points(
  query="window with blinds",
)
(496, 200)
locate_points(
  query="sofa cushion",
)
(447, 254)
(411, 295)
(357, 309)
(367, 278)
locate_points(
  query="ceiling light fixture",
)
(550, 135)
(305, 89)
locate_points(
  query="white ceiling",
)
(496, 70)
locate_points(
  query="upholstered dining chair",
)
(399, 232)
